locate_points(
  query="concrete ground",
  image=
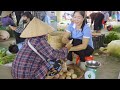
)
(5, 72)
(109, 69)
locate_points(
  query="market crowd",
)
(99, 19)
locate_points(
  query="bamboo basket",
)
(61, 26)
(78, 71)
(55, 40)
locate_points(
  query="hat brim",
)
(36, 28)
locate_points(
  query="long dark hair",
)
(83, 13)
(28, 15)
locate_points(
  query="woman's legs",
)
(69, 56)
(82, 53)
(96, 27)
(75, 43)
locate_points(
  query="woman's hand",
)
(8, 28)
(69, 45)
(65, 39)
(12, 27)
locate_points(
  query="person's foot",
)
(68, 62)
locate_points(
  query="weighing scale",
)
(91, 68)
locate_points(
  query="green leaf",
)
(111, 36)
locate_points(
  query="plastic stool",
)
(87, 58)
(77, 60)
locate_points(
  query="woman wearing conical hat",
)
(28, 64)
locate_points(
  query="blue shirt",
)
(47, 20)
(20, 45)
(78, 34)
(118, 15)
(6, 21)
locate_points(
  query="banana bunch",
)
(5, 58)
(8, 59)
(3, 52)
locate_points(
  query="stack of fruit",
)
(68, 72)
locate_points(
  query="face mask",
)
(24, 21)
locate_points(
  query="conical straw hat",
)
(36, 28)
(5, 13)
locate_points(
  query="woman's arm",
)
(81, 46)
(19, 28)
(67, 34)
(86, 36)
(11, 22)
(12, 27)
(45, 49)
